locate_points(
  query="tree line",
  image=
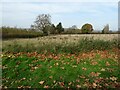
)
(43, 24)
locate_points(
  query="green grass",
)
(87, 63)
(56, 73)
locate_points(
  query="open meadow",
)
(61, 61)
(58, 41)
(62, 44)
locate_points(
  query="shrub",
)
(87, 28)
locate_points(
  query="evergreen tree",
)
(53, 29)
(106, 29)
(59, 28)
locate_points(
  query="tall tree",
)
(42, 21)
(59, 28)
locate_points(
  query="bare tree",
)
(42, 21)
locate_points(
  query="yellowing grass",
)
(60, 39)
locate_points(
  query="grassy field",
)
(61, 61)
(58, 43)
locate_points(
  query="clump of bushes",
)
(52, 29)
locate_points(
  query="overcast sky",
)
(23, 13)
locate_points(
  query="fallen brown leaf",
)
(46, 86)
(93, 74)
(94, 85)
(77, 80)
(41, 82)
(102, 69)
(61, 84)
(69, 83)
(78, 86)
(50, 77)
(113, 78)
(82, 76)
(107, 64)
(84, 68)
(94, 63)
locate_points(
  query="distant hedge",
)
(8, 32)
